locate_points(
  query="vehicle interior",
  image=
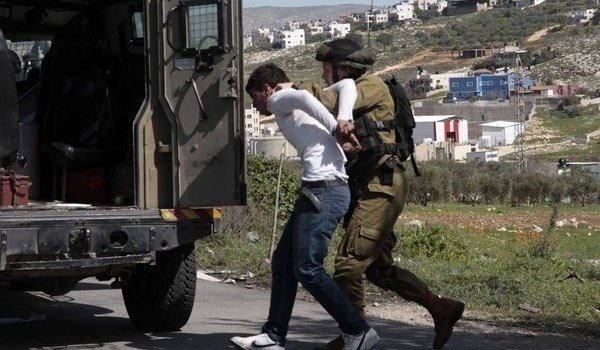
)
(79, 82)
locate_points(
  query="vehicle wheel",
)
(161, 297)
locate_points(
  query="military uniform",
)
(377, 178)
(379, 194)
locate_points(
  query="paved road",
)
(93, 317)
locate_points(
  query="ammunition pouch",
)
(367, 133)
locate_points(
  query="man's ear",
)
(267, 90)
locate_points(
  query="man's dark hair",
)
(269, 74)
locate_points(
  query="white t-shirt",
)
(309, 127)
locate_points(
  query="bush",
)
(431, 240)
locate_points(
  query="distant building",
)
(377, 16)
(261, 36)
(247, 41)
(500, 133)
(441, 128)
(252, 122)
(482, 156)
(289, 38)
(337, 30)
(526, 3)
(314, 27)
(401, 12)
(442, 81)
(472, 53)
(293, 25)
(481, 86)
(424, 5)
(559, 90)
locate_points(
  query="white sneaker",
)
(363, 341)
(261, 341)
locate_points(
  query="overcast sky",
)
(298, 3)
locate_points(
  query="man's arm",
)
(346, 91)
(284, 101)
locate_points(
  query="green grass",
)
(587, 120)
(497, 271)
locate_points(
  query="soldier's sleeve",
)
(370, 92)
(328, 98)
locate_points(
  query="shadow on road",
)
(93, 317)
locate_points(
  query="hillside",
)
(568, 53)
(276, 17)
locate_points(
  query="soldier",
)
(379, 188)
(299, 256)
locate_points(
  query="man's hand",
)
(349, 142)
(344, 127)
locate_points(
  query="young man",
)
(324, 199)
(379, 191)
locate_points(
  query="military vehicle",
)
(121, 139)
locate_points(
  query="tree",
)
(385, 39)
(315, 38)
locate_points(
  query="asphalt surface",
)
(94, 317)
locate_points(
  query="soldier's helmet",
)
(345, 52)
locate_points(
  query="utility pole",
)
(369, 18)
(520, 118)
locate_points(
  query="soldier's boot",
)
(445, 312)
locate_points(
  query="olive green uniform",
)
(365, 251)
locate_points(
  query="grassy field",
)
(507, 263)
(491, 257)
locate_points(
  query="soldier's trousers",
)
(365, 252)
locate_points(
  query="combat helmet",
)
(345, 52)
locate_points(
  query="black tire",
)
(161, 297)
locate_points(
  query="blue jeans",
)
(299, 258)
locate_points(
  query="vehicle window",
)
(26, 57)
(203, 26)
(137, 20)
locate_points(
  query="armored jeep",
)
(121, 137)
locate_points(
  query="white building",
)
(247, 41)
(293, 25)
(581, 16)
(252, 122)
(482, 156)
(289, 38)
(337, 30)
(441, 128)
(442, 81)
(261, 36)
(500, 132)
(375, 17)
(402, 12)
(381, 17)
(315, 27)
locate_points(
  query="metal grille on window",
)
(203, 26)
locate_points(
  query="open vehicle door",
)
(199, 70)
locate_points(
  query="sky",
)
(298, 3)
